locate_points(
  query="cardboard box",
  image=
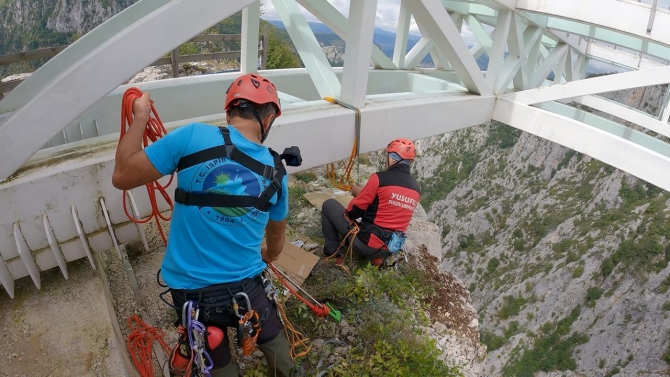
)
(316, 198)
(296, 262)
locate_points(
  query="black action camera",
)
(292, 156)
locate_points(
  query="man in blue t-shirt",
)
(214, 251)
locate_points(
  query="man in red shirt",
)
(384, 205)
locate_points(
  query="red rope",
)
(320, 310)
(153, 131)
(140, 342)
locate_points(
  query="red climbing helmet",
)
(403, 147)
(253, 88)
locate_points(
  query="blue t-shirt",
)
(214, 245)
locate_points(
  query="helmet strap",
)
(264, 133)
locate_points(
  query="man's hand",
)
(355, 190)
(266, 257)
(142, 108)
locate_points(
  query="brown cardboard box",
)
(296, 262)
(316, 198)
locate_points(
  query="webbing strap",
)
(275, 174)
(228, 150)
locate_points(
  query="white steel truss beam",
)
(27, 129)
(626, 17)
(57, 65)
(308, 48)
(624, 112)
(665, 107)
(601, 34)
(402, 32)
(250, 29)
(469, 8)
(605, 146)
(549, 64)
(332, 18)
(480, 33)
(602, 84)
(620, 58)
(497, 55)
(357, 53)
(441, 29)
(418, 52)
(573, 41)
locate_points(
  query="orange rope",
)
(349, 249)
(320, 310)
(343, 182)
(296, 339)
(140, 342)
(153, 131)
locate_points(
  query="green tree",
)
(280, 51)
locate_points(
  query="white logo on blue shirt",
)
(225, 177)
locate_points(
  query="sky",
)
(387, 19)
(387, 13)
(387, 16)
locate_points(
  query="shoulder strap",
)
(228, 150)
(275, 174)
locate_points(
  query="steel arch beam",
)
(602, 145)
(78, 50)
(601, 34)
(82, 85)
(602, 84)
(626, 17)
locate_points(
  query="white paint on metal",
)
(53, 246)
(109, 227)
(549, 64)
(249, 43)
(602, 84)
(664, 114)
(627, 17)
(339, 24)
(431, 15)
(358, 51)
(560, 67)
(26, 130)
(613, 36)
(83, 46)
(604, 146)
(26, 256)
(497, 55)
(140, 227)
(308, 48)
(418, 52)
(82, 236)
(6, 279)
(624, 112)
(620, 58)
(402, 32)
(482, 36)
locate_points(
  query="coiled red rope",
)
(140, 343)
(153, 131)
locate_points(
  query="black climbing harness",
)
(274, 174)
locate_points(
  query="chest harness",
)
(274, 174)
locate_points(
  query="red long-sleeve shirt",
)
(388, 201)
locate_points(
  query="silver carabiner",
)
(246, 298)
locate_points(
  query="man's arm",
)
(133, 168)
(363, 198)
(274, 232)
